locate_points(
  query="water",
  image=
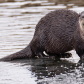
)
(18, 19)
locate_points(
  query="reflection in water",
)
(41, 71)
(49, 71)
(18, 19)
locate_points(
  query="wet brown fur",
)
(57, 32)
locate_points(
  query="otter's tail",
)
(25, 53)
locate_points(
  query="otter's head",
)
(81, 20)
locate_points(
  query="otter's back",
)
(56, 30)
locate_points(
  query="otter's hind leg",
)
(40, 55)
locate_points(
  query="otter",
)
(57, 32)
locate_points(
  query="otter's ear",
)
(79, 14)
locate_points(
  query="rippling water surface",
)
(18, 19)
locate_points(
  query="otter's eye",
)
(82, 16)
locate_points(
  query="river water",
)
(18, 19)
